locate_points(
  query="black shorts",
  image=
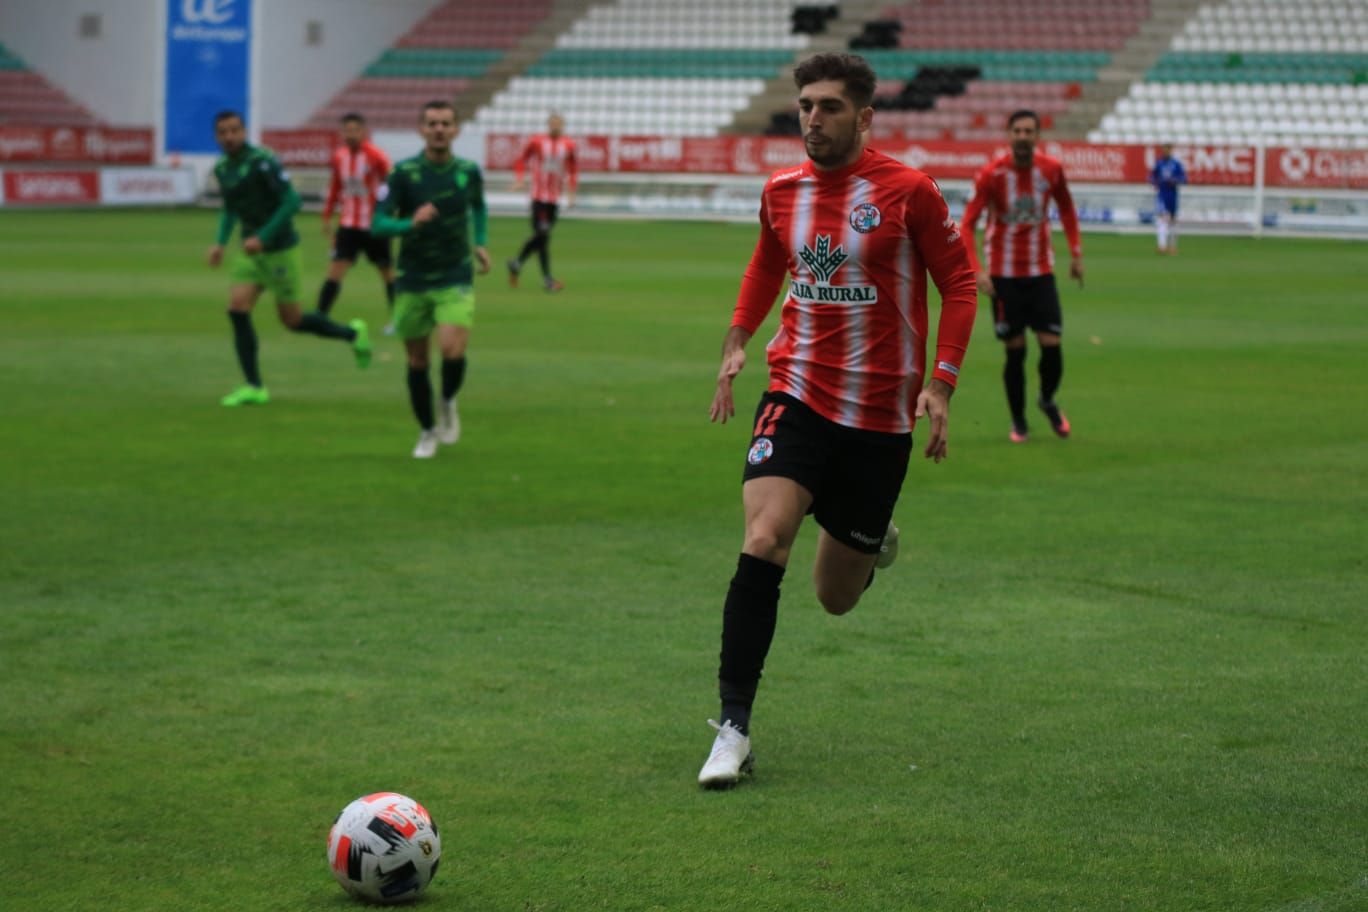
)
(854, 476)
(1019, 303)
(544, 216)
(351, 241)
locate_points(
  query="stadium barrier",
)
(33, 187)
(76, 145)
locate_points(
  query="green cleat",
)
(246, 395)
(361, 345)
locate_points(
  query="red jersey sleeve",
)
(382, 163)
(971, 217)
(334, 190)
(571, 166)
(1068, 216)
(947, 259)
(529, 150)
(763, 277)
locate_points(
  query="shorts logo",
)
(761, 450)
(865, 217)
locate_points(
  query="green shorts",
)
(417, 313)
(277, 272)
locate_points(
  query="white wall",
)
(295, 79)
(114, 75)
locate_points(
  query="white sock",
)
(1173, 235)
(1162, 226)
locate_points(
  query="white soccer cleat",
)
(888, 551)
(448, 422)
(731, 758)
(426, 447)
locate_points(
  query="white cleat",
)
(448, 422)
(888, 551)
(731, 758)
(426, 447)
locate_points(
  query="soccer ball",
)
(384, 847)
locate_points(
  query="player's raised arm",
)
(388, 220)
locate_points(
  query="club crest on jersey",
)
(762, 449)
(865, 217)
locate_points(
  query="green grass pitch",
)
(1120, 672)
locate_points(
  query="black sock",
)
(533, 243)
(327, 295)
(319, 325)
(389, 295)
(453, 375)
(420, 396)
(544, 257)
(748, 621)
(1014, 378)
(1051, 371)
(245, 342)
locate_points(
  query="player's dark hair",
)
(436, 104)
(226, 114)
(851, 70)
(353, 117)
(1020, 113)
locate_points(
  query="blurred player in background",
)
(359, 168)
(1167, 176)
(1017, 189)
(855, 233)
(551, 158)
(435, 201)
(257, 193)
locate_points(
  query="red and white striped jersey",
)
(554, 167)
(356, 177)
(856, 245)
(1017, 240)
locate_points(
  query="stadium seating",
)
(653, 66)
(1249, 69)
(27, 98)
(1039, 51)
(455, 44)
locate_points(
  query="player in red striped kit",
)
(555, 170)
(1016, 189)
(359, 169)
(855, 233)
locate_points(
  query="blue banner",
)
(208, 62)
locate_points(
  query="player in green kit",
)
(435, 202)
(257, 193)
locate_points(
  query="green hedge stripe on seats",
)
(1048, 66)
(1258, 66)
(700, 63)
(433, 62)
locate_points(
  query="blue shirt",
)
(1168, 173)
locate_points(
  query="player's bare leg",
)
(241, 299)
(420, 396)
(452, 340)
(840, 574)
(1051, 371)
(774, 509)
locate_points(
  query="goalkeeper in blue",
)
(1167, 176)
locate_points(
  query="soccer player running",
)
(1016, 189)
(435, 201)
(258, 193)
(1167, 176)
(855, 232)
(551, 157)
(359, 169)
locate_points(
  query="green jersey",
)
(438, 253)
(257, 192)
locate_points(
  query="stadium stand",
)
(27, 98)
(440, 57)
(944, 75)
(654, 67)
(1249, 69)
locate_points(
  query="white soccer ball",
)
(384, 847)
